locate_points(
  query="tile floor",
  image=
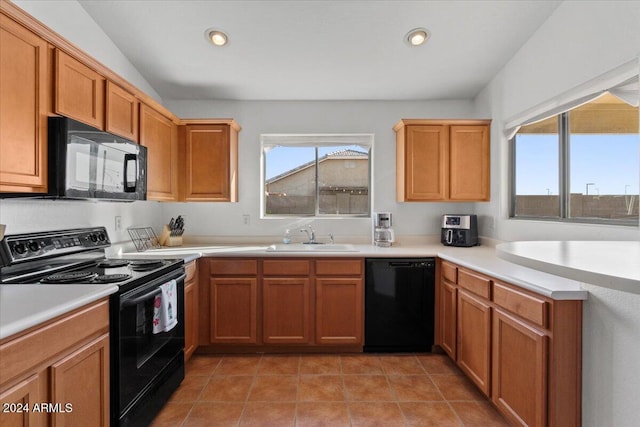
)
(326, 390)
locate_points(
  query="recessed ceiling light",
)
(216, 37)
(417, 36)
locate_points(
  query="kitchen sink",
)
(301, 247)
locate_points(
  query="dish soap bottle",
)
(286, 239)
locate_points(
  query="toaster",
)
(459, 230)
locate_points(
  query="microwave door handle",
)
(129, 158)
(450, 236)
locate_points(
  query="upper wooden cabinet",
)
(442, 160)
(79, 91)
(25, 88)
(160, 135)
(210, 159)
(121, 115)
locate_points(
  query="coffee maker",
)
(459, 230)
(382, 231)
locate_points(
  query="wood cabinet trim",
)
(474, 282)
(339, 267)
(286, 267)
(530, 308)
(21, 353)
(449, 272)
(233, 267)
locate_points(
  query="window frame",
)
(316, 140)
(564, 194)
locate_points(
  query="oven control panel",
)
(22, 247)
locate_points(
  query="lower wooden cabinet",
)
(339, 310)
(474, 339)
(233, 310)
(521, 349)
(80, 383)
(22, 395)
(191, 309)
(519, 370)
(61, 366)
(266, 303)
(448, 309)
(286, 310)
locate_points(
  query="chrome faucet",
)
(311, 235)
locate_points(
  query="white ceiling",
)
(319, 50)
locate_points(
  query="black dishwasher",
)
(399, 304)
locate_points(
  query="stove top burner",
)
(70, 277)
(112, 263)
(147, 264)
(111, 278)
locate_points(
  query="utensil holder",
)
(166, 239)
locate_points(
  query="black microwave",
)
(88, 163)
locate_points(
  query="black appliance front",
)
(87, 163)
(399, 304)
(146, 367)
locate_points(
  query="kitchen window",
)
(320, 175)
(582, 164)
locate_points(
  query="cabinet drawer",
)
(339, 267)
(526, 306)
(233, 267)
(475, 283)
(449, 272)
(289, 267)
(190, 271)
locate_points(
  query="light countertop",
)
(611, 264)
(480, 258)
(24, 306)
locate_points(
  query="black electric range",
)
(146, 364)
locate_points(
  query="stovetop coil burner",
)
(111, 278)
(144, 265)
(113, 263)
(70, 277)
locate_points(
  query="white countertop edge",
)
(590, 277)
(42, 315)
(563, 289)
(479, 258)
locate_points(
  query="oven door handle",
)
(148, 295)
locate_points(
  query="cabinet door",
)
(191, 314)
(233, 310)
(448, 314)
(285, 310)
(82, 380)
(474, 339)
(519, 370)
(79, 91)
(469, 162)
(17, 404)
(25, 86)
(210, 163)
(426, 163)
(159, 135)
(339, 311)
(122, 112)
